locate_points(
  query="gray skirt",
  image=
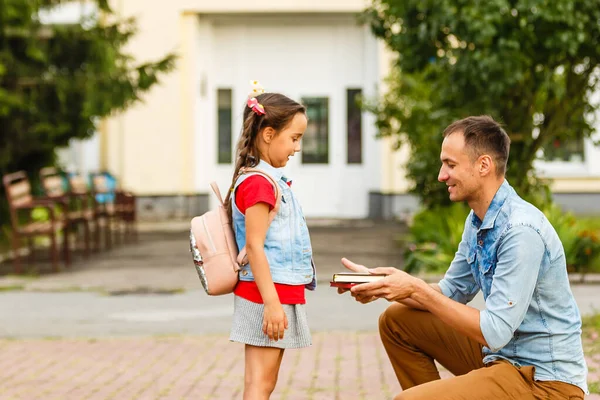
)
(248, 321)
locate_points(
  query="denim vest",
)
(515, 257)
(287, 244)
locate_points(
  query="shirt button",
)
(480, 242)
(244, 272)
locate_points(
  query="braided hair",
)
(279, 112)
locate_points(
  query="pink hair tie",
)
(256, 106)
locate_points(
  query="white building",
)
(183, 135)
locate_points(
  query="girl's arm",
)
(257, 223)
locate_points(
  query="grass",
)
(11, 288)
(594, 387)
(591, 345)
(591, 322)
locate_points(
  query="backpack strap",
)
(242, 258)
(217, 192)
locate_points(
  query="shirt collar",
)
(494, 209)
(276, 173)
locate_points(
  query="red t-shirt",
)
(257, 189)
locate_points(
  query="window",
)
(224, 121)
(354, 126)
(569, 151)
(315, 143)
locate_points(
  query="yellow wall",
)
(576, 185)
(150, 146)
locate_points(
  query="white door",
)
(320, 61)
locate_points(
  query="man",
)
(526, 343)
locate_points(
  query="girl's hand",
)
(274, 321)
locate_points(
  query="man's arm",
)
(401, 287)
(415, 304)
(519, 257)
(458, 283)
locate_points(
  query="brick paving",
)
(339, 365)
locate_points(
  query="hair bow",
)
(256, 106)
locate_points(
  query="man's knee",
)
(393, 317)
(405, 395)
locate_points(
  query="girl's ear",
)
(268, 134)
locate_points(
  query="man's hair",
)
(483, 135)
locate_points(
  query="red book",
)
(344, 285)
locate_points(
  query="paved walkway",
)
(161, 261)
(338, 366)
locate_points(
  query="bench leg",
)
(53, 252)
(107, 233)
(31, 243)
(66, 252)
(86, 238)
(97, 234)
(16, 244)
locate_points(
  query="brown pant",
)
(413, 339)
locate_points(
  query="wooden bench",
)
(21, 204)
(77, 206)
(78, 186)
(118, 203)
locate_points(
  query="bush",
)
(434, 238)
(579, 238)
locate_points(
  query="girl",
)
(269, 303)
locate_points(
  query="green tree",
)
(531, 64)
(56, 81)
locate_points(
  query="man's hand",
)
(396, 286)
(361, 269)
(353, 267)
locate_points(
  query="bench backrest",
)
(52, 182)
(18, 192)
(77, 184)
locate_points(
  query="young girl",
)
(269, 303)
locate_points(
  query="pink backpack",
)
(213, 246)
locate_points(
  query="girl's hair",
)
(279, 112)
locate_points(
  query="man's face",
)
(458, 170)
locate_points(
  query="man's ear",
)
(486, 165)
(268, 134)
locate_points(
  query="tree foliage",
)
(56, 81)
(531, 64)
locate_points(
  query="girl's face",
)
(280, 147)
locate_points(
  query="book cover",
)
(355, 277)
(343, 285)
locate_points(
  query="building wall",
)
(152, 147)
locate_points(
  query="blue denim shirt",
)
(287, 244)
(531, 318)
